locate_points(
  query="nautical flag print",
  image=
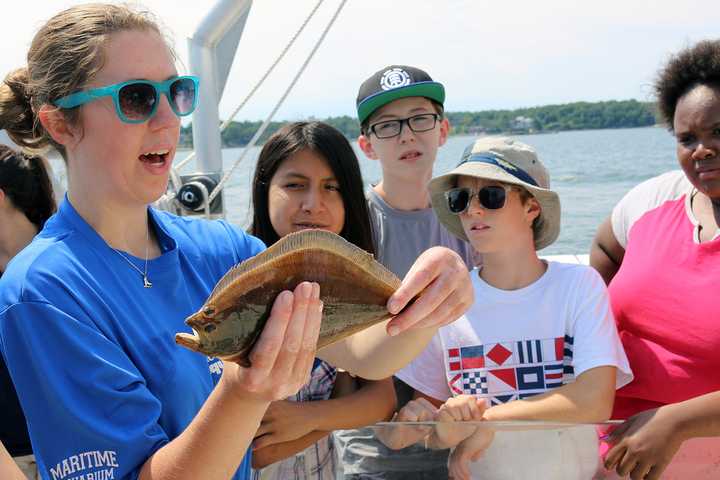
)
(553, 375)
(508, 371)
(455, 386)
(465, 358)
(474, 383)
(454, 360)
(500, 354)
(472, 357)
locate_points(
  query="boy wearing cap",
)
(400, 109)
(539, 343)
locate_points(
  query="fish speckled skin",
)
(354, 289)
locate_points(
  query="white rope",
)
(184, 161)
(175, 180)
(227, 122)
(216, 191)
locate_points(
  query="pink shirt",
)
(666, 302)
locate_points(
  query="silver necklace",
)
(146, 283)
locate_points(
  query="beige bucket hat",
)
(504, 160)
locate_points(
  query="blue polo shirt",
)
(92, 353)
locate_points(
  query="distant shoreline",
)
(452, 133)
(521, 121)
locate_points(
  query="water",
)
(591, 170)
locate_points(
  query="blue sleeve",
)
(88, 407)
(245, 245)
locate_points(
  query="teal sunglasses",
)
(136, 101)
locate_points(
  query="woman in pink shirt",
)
(660, 253)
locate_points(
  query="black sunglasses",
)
(491, 197)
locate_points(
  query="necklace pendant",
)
(146, 283)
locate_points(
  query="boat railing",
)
(533, 449)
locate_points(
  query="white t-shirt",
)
(515, 344)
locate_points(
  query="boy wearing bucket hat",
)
(400, 109)
(538, 344)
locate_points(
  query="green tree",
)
(548, 118)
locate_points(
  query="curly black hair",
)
(693, 66)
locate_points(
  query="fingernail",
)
(605, 436)
(306, 290)
(287, 298)
(393, 306)
(392, 331)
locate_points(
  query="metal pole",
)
(212, 49)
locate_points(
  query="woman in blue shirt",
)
(89, 310)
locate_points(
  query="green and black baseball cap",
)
(393, 82)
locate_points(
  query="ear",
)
(532, 210)
(58, 127)
(444, 131)
(5, 202)
(366, 146)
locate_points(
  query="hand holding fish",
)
(440, 280)
(283, 355)
(285, 421)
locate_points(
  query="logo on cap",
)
(394, 78)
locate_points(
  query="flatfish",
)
(354, 289)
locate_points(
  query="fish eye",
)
(209, 311)
(209, 328)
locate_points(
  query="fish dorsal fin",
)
(310, 240)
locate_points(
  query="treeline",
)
(555, 118)
(549, 118)
(239, 134)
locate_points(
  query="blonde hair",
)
(65, 55)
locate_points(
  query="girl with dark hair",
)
(308, 176)
(331, 148)
(660, 253)
(26, 200)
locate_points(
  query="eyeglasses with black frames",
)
(417, 123)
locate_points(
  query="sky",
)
(489, 54)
